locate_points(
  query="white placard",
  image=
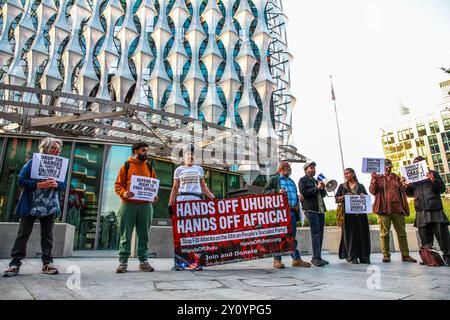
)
(46, 166)
(144, 188)
(415, 172)
(373, 165)
(358, 204)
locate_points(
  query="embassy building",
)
(104, 74)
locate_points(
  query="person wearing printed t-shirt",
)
(39, 200)
(134, 213)
(188, 185)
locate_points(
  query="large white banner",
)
(370, 165)
(144, 188)
(415, 172)
(46, 166)
(358, 204)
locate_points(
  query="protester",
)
(282, 183)
(391, 206)
(39, 199)
(188, 185)
(430, 217)
(355, 238)
(313, 193)
(134, 213)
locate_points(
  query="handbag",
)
(340, 215)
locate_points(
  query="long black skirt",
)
(355, 238)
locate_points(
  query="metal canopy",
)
(37, 111)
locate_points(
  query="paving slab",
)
(251, 280)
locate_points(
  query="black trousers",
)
(440, 230)
(19, 250)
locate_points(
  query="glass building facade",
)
(89, 202)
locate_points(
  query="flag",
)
(333, 97)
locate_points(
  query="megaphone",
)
(330, 185)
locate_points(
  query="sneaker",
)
(146, 267)
(318, 262)
(354, 261)
(11, 271)
(49, 269)
(324, 261)
(277, 264)
(386, 259)
(300, 263)
(408, 259)
(122, 268)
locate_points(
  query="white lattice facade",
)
(223, 61)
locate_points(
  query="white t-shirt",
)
(189, 181)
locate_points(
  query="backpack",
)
(127, 167)
(430, 257)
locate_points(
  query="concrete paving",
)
(87, 277)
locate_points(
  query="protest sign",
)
(46, 166)
(358, 204)
(212, 232)
(415, 172)
(144, 188)
(370, 165)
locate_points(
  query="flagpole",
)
(337, 124)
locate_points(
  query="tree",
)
(445, 70)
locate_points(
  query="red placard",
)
(212, 232)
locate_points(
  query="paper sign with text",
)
(370, 165)
(46, 166)
(144, 188)
(415, 172)
(358, 204)
(212, 232)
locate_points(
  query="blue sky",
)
(379, 53)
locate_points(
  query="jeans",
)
(316, 224)
(296, 254)
(19, 250)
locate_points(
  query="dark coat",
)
(343, 190)
(427, 194)
(307, 187)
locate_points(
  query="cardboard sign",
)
(212, 232)
(370, 165)
(358, 204)
(144, 188)
(46, 166)
(415, 172)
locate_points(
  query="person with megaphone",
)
(313, 192)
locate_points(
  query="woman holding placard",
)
(188, 185)
(39, 199)
(355, 238)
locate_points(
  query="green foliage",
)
(330, 216)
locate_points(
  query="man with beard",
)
(134, 213)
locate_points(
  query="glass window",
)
(219, 184)
(421, 130)
(233, 182)
(434, 127)
(84, 193)
(18, 152)
(164, 172)
(109, 229)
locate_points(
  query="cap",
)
(308, 164)
(387, 163)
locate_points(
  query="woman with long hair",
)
(355, 239)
